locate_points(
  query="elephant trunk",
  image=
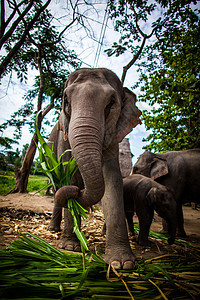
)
(86, 144)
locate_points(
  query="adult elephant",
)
(178, 170)
(97, 113)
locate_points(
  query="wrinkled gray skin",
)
(178, 170)
(97, 113)
(144, 195)
(59, 144)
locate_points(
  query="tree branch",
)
(13, 13)
(41, 89)
(14, 25)
(17, 46)
(145, 37)
(135, 57)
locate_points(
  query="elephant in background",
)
(177, 170)
(144, 195)
(97, 113)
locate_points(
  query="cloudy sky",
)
(91, 54)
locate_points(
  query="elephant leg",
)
(129, 218)
(180, 221)
(165, 228)
(118, 251)
(145, 221)
(69, 240)
(55, 219)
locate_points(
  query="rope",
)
(101, 37)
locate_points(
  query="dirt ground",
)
(25, 212)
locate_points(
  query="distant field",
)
(7, 183)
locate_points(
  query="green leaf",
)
(81, 237)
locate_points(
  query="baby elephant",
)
(144, 195)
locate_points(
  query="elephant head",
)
(162, 200)
(97, 113)
(151, 165)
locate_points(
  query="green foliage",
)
(5, 141)
(36, 183)
(31, 268)
(126, 16)
(77, 210)
(168, 65)
(58, 172)
(9, 159)
(57, 60)
(173, 91)
(130, 17)
(7, 182)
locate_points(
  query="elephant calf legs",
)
(145, 223)
(129, 218)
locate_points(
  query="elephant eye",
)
(67, 105)
(108, 107)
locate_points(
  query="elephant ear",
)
(151, 196)
(159, 168)
(129, 116)
(63, 123)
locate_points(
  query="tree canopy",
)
(175, 120)
(169, 68)
(43, 50)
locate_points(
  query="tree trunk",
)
(2, 14)
(22, 174)
(23, 37)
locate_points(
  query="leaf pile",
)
(31, 268)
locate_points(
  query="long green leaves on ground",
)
(31, 268)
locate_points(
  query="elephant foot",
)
(54, 227)
(131, 233)
(69, 243)
(124, 260)
(171, 240)
(181, 234)
(127, 265)
(145, 243)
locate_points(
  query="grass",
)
(35, 182)
(31, 268)
(7, 183)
